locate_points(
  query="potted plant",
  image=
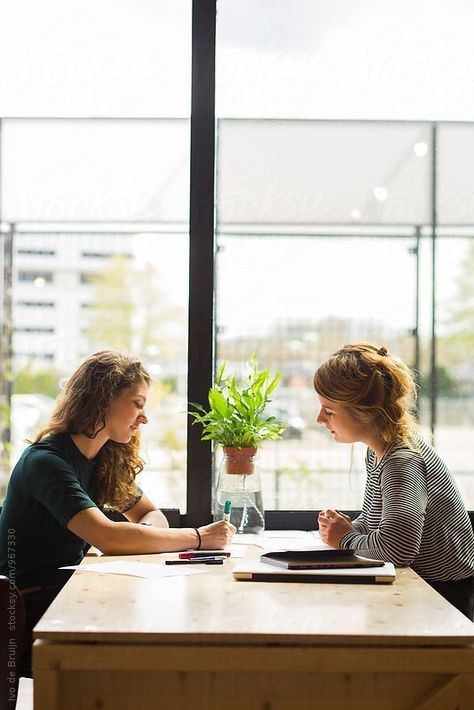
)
(237, 420)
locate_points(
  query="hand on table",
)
(333, 526)
(216, 535)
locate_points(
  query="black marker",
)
(198, 561)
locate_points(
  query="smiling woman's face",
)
(344, 427)
(126, 412)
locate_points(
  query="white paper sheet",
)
(236, 550)
(289, 533)
(139, 569)
(274, 540)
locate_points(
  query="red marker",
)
(203, 553)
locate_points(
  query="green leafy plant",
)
(236, 415)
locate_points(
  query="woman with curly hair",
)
(84, 459)
(412, 512)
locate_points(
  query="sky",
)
(410, 59)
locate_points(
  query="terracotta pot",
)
(239, 461)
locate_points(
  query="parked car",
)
(296, 423)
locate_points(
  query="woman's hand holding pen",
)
(216, 535)
(333, 526)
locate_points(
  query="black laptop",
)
(317, 559)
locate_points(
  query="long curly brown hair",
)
(377, 388)
(81, 409)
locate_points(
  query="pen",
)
(227, 509)
(194, 555)
(199, 561)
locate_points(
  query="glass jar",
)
(239, 481)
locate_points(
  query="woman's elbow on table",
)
(402, 557)
(403, 560)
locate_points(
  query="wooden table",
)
(207, 641)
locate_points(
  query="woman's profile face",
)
(344, 427)
(126, 413)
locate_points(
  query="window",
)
(33, 330)
(325, 227)
(37, 278)
(102, 255)
(343, 203)
(103, 203)
(36, 252)
(86, 278)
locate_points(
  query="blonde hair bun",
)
(376, 389)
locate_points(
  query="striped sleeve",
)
(360, 523)
(401, 512)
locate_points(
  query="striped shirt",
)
(413, 514)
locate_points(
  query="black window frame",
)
(201, 313)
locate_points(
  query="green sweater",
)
(51, 483)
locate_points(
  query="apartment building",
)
(52, 290)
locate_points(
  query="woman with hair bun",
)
(412, 513)
(87, 458)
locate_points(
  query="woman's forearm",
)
(130, 538)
